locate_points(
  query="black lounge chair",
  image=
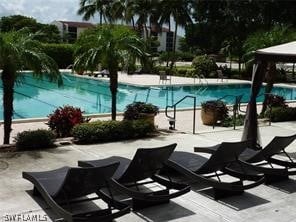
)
(204, 170)
(265, 160)
(142, 170)
(63, 187)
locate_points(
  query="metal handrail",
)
(173, 118)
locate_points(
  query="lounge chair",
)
(266, 160)
(204, 170)
(66, 186)
(142, 170)
(221, 76)
(163, 77)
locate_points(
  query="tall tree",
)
(46, 33)
(108, 45)
(88, 8)
(17, 52)
(179, 10)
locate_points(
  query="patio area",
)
(263, 203)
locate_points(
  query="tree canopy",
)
(47, 33)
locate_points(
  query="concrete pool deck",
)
(263, 203)
(153, 80)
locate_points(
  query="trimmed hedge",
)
(35, 139)
(280, 114)
(63, 54)
(105, 131)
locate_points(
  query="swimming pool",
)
(37, 98)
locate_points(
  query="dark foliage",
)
(36, 139)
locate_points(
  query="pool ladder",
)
(172, 119)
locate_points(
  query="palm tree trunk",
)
(146, 31)
(101, 17)
(8, 84)
(113, 89)
(174, 45)
(133, 22)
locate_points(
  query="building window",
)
(169, 41)
(72, 34)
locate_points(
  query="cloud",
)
(45, 11)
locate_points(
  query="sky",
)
(46, 11)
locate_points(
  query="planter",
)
(209, 117)
(149, 117)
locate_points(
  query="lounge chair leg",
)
(220, 193)
(141, 204)
(36, 192)
(269, 179)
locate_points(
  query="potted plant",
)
(213, 111)
(140, 110)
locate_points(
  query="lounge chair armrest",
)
(282, 162)
(265, 170)
(170, 184)
(209, 149)
(123, 189)
(145, 196)
(212, 182)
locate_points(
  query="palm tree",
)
(18, 51)
(179, 10)
(108, 45)
(144, 11)
(88, 8)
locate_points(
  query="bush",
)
(275, 100)
(279, 114)
(134, 110)
(105, 131)
(63, 119)
(204, 65)
(61, 53)
(168, 57)
(186, 56)
(37, 139)
(228, 121)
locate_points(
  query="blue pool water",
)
(37, 98)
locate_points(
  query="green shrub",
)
(36, 139)
(61, 53)
(204, 65)
(168, 57)
(142, 128)
(186, 56)
(181, 71)
(105, 131)
(190, 73)
(228, 121)
(279, 114)
(275, 100)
